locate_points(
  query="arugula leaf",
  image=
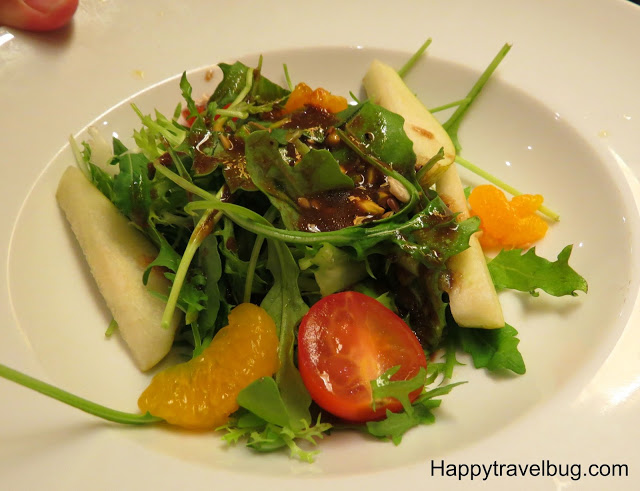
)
(493, 349)
(316, 172)
(96, 174)
(234, 166)
(192, 297)
(101, 180)
(437, 392)
(395, 425)
(211, 265)
(383, 133)
(167, 257)
(285, 305)
(272, 175)
(186, 90)
(442, 236)
(319, 171)
(188, 276)
(235, 268)
(234, 80)
(265, 91)
(118, 147)
(527, 272)
(131, 186)
(446, 367)
(383, 387)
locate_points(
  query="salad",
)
(314, 260)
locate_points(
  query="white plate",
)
(580, 388)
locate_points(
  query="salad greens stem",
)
(453, 123)
(243, 93)
(286, 76)
(206, 223)
(220, 122)
(227, 113)
(256, 73)
(75, 401)
(466, 100)
(172, 219)
(255, 223)
(255, 253)
(183, 183)
(178, 163)
(279, 123)
(502, 185)
(113, 327)
(412, 61)
(251, 270)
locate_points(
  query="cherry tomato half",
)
(345, 341)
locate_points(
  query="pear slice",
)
(118, 255)
(385, 88)
(472, 297)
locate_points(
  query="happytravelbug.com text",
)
(544, 468)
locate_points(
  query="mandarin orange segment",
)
(201, 393)
(303, 95)
(507, 224)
